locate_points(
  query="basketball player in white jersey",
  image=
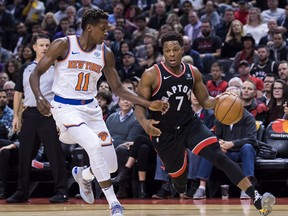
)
(80, 61)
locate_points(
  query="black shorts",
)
(172, 144)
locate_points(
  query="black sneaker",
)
(59, 198)
(162, 193)
(17, 197)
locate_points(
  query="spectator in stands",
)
(140, 51)
(173, 21)
(208, 45)
(34, 11)
(124, 129)
(279, 96)
(272, 28)
(267, 90)
(49, 24)
(164, 29)
(193, 29)
(62, 5)
(253, 105)
(119, 33)
(244, 72)
(216, 85)
(235, 81)
(20, 37)
(12, 68)
(3, 78)
(238, 141)
(128, 26)
(278, 49)
(71, 14)
(15, 8)
(130, 67)
(85, 4)
(233, 40)
(283, 22)
(248, 53)
(152, 53)
(104, 99)
(223, 27)
(159, 18)
(37, 128)
(28, 54)
(5, 55)
(64, 26)
(264, 65)
(9, 89)
(242, 12)
(118, 11)
(184, 18)
(124, 47)
(210, 14)
(273, 12)
(139, 34)
(283, 70)
(7, 22)
(254, 25)
(6, 115)
(187, 46)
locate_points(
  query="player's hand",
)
(158, 105)
(150, 129)
(43, 106)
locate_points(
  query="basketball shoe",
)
(116, 209)
(267, 201)
(85, 187)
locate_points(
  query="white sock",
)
(110, 195)
(202, 187)
(87, 175)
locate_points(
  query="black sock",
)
(127, 169)
(256, 197)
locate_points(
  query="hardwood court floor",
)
(209, 207)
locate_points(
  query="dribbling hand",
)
(43, 106)
(158, 105)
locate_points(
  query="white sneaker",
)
(116, 209)
(243, 195)
(85, 187)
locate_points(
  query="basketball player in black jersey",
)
(180, 127)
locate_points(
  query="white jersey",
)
(76, 76)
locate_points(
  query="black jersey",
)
(176, 89)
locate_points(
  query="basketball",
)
(229, 109)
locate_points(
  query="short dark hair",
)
(105, 95)
(38, 36)
(92, 16)
(172, 36)
(217, 64)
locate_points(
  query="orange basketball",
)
(229, 109)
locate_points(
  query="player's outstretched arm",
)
(58, 48)
(201, 92)
(147, 83)
(117, 87)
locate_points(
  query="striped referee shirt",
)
(23, 85)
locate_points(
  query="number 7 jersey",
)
(176, 89)
(76, 76)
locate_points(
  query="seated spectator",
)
(152, 53)
(124, 129)
(186, 7)
(233, 40)
(173, 21)
(255, 26)
(210, 14)
(6, 116)
(60, 13)
(124, 47)
(3, 79)
(244, 74)
(273, 11)
(8, 87)
(159, 17)
(279, 96)
(34, 11)
(235, 81)
(208, 45)
(242, 12)
(130, 67)
(12, 68)
(193, 29)
(264, 65)
(104, 99)
(64, 26)
(267, 90)
(272, 28)
(254, 106)
(238, 141)
(5, 55)
(248, 53)
(216, 85)
(28, 54)
(278, 49)
(283, 22)
(49, 24)
(283, 70)
(223, 27)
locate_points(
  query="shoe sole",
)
(268, 200)
(82, 194)
(158, 197)
(199, 198)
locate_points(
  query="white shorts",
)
(67, 115)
